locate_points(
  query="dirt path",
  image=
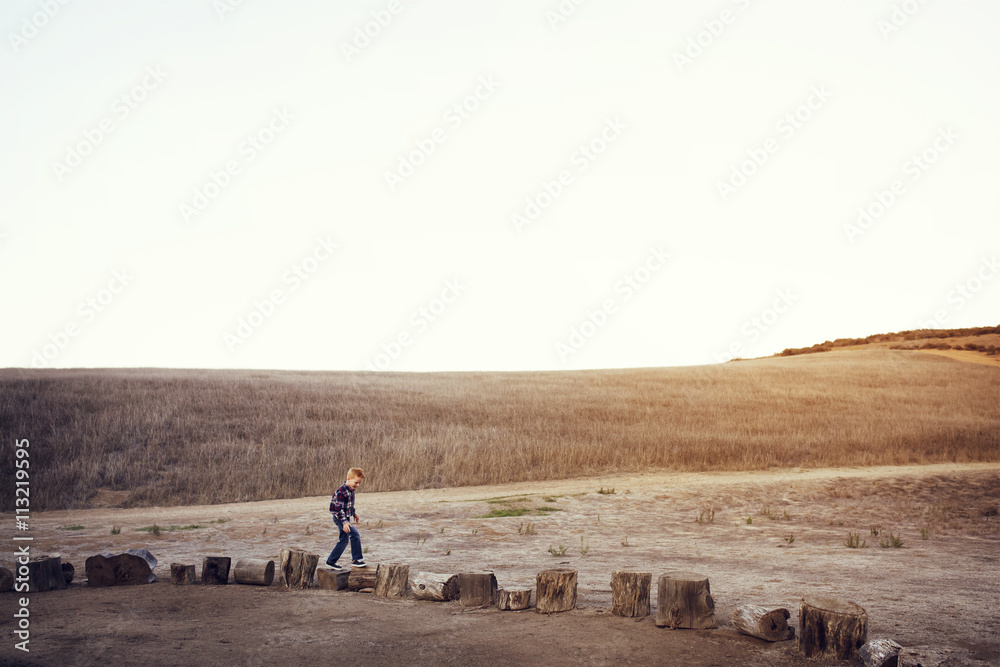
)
(941, 590)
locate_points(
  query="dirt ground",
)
(771, 538)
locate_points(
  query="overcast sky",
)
(491, 185)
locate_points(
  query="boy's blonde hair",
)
(355, 472)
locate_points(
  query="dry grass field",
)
(149, 437)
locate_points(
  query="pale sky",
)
(491, 185)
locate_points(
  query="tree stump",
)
(477, 589)
(6, 580)
(215, 570)
(434, 587)
(555, 590)
(763, 623)
(362, 577)
(45, 574)
(133, 567)
(880, 653)
(630, 593)
(332, 580)
(684, 600)
(254, 571)
(68, 572)
(297, 569)
(392, 581)
(513, 599)
(829, 627)
(182, 575)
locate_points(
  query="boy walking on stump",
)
(342, 508)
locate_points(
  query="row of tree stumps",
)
(827, 627)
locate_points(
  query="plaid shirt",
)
(342, 503)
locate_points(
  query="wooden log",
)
(392, 581)
(684, 600)
(332, 580)
(630, 593)
(435, 587)
(831, 628)
(513, 599)
(6, 580)
(924, 656)
(130, 568)
(254, 571)
(68, 572)
(362, 577)
(182, 575)
(477, 589)
(763, 622)
(297, 569)
(215, 570)
(45, 574)
(880, 653)
(555, 590)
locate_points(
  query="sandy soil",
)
(940, 591)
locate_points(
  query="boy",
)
(342, 507)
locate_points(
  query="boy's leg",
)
(342, 541)
(356, 552)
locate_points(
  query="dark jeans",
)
(354, 537)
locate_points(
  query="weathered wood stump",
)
(130, 568)
(555, 590)
(834, 628)
(182, 575)
(392, 581)
(477, 589)
(215, 570)
(434, 587)
(45, 574)
(630, 593)
(880, 653)
(763, 622)
(362, 577)
(297, 569)
(68, 572)
(513, 599)
(6, 580)
(254, 571)
(332, 580)
(684, 600)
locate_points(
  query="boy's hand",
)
(347, 527)
(357, 519)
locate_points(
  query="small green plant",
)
(840, 523)
(707, 516)
(768, 513)
(475, 531)
(506, 512)
(526, 528)
(854, 541)
(584, 548)
(545, 509)
(875, 530)
(787, 515)
(625, 541)
(891, 542)
(610, 491)
(365, 550)
(75, 526)
(924, 533)
(379, 524)
(227, 520)
(154, 529)
(749, 520)
(448, 552)
(273, 520)
(442, 530)
(550, 499)
(308, 529)
(560, 551)
(115, 530)
(790, 539)
(421, 538)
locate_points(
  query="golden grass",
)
(171, 437)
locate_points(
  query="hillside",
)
(170, 437)
(982, 342)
